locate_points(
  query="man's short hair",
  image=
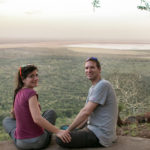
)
(94, 59)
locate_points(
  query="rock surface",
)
(123, 143)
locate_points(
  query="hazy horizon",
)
(74, 20)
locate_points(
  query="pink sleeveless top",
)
(25, 126)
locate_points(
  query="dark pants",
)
(81, 138)
(42, 141)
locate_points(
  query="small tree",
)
(145, 5)
(131, 93)
(96, 4)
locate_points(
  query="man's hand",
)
(64, 135)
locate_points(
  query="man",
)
(100, 112)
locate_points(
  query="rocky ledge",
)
(123, 143)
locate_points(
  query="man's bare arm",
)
(82, 124)
(83, 114)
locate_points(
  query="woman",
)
(27, 128)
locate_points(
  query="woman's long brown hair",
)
(21, 75)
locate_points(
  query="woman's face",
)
(31, 80)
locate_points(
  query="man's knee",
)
(60, 142)
(72, 144)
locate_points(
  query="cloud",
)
(33, 12)
(2, 1)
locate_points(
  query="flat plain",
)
(63, 85)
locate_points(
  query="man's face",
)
(91, 70)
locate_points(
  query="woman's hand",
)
(64, 135)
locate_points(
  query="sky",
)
(74, 19)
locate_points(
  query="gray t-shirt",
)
(102, 122)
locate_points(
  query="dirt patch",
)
(108, 51)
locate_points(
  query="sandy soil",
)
(32, 44)
(49, 44)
